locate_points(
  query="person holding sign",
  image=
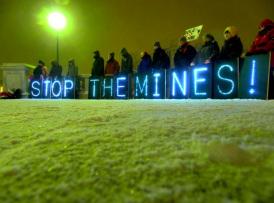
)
(184, 55)
(233, 47)
(209, 51)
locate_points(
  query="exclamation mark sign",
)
(252, 82)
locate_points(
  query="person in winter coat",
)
(233, 47)
(112, 66)
(73, 74)
(72, 69)
(209, 51)
(145, 64)
(41, 71)
(56, 70)
(160, 58)
(185, 54)
(127, 62)
(98, 65)
(264, 41)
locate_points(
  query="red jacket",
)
(112, 67)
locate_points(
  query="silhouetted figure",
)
(184, 55)
(98, 65)
(56, 70)
(127, 62)
(40, 71)
(72, 69)
(112, 66)
(145, 65)
(160, 58)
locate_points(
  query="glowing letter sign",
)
(178, 84)
(52, 89)
(254, 77)
(122, 86)
(201, 82)
(226, 77)
(141, 86)
(107, 88)
(94, 88)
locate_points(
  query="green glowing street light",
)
(58, 22)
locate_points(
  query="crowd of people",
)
(185, 56)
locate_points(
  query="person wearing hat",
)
(127, 62)
(184, 55)
(112, 66)
(160, 58)
(264, 43)
(98, 65)
(233, 47)
(209, 51)
(145, 64)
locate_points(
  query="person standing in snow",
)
(233, 47)
(209, 51)
(145, 64)
(160, 58)
(127, 62)
(184, 55)
(112, 66)
(98, 65)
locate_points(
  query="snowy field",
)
(136, 151)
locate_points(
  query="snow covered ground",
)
(137, 151)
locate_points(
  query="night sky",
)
(110, 25)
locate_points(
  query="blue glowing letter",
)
(199, 80)
(156, 75)
(107, 87)
(47, 88)
(144, 86)
(35, 88)
(68, 87)
(120, 86)
(226, 79)
(56, 82)
(175, 80)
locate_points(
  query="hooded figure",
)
(209, 51)
(72, 69)
(127, 62)
(184, 55)
(98, 65)
(264, 41)
(160, 58)
(56, 70)
(233, 46)
(145, 64)
(112, 66)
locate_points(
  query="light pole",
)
(58, 22)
